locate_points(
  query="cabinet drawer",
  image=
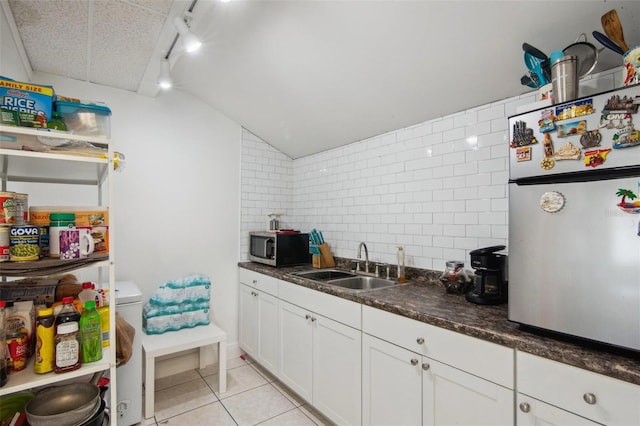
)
(259, 281)
(336, 308)
(615, 401)
(448, 347)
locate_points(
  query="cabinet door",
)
(337, 374)
(248, 332)
(267, 355)
(296, 345)
(454, 397)
(391, 384)
(531, 412)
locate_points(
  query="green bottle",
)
(90, 333)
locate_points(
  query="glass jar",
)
(455, 279)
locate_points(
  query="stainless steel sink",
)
(324, 274)
(360, 283)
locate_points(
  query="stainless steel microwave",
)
(279, 248)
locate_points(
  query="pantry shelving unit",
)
(71, 168)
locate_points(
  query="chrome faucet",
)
(366, 255)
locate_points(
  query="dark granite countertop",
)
(424, 299)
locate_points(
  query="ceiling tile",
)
(160, 6)
(130, 32)
(54, 35)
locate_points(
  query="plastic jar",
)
(57, 222)
(455, 278)
(67, 348)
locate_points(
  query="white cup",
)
(75, 243)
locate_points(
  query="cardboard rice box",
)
(32, 102)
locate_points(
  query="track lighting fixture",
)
(164, 80)
(189, 40)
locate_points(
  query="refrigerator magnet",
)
(615, 120)
(575, 109)
(523, 153)
(547, 122)
(590, 139)
(626, 138)
(522, 135)
(568, 151)
(572, 128)
(552, 201)
(617, 103)
(596, 157)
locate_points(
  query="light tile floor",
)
(254, 396)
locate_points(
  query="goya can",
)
(17, 343)
(4, 243)
(7, 208)
(24, 243)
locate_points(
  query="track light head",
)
(164, 80)
(189, 40)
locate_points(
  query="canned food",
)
(44, 241)
(4, 243)
(24, 243)
(7, 208)
(17, 343)
(22, 208)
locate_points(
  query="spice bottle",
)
(45, 336)
(90, 333)
(4, 350)
(67, 348)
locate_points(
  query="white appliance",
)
(574, 250)
(128, 408)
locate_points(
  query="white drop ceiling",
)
(307, 76)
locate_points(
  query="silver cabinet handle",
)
(425, 366)
(414, 361)
(420, 340)
(313, 319)
(254, 281)
(589, 398)
(525, 407)
(307, 316)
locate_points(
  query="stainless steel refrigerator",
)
(574, 218)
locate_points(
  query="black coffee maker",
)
(490, 279)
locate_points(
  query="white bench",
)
(156, 345)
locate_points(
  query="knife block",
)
(325, 260)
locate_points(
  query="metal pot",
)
(66, 405)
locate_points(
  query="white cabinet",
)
(555, 391)
(320, 361)
(446, 378)
(402, 387)
(296, 349)
(54, 169)
(258, 331)
(320, 350)
(531, 412)
(455, 397)
(391, 384)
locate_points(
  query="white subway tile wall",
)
(438, 188)
(266, 187)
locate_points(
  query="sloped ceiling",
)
(307, 76)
